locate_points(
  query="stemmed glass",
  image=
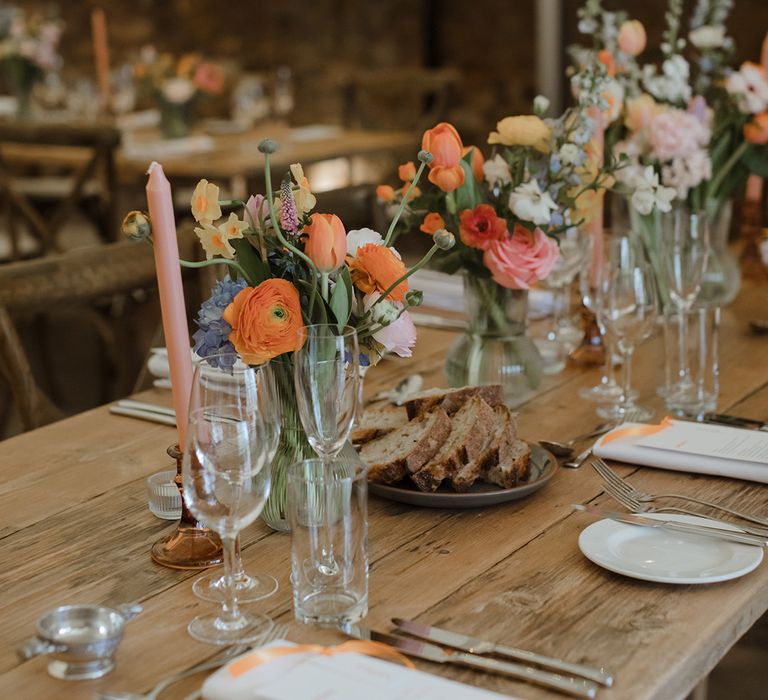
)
(328, 393)
(627, 310)
(226, 476)
(683, 248)
(221, 380)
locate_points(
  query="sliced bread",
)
(470, 428)
(407, 448)
(452, 399)
(513, 467)
(378, 422)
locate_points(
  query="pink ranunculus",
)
(522, 260)
(677, 134)
(398, 336)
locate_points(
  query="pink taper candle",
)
(101, 55)
(754, 191)
(171, 290)
(595, 226)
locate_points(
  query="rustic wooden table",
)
(75, 528)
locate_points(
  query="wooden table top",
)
(75, 528)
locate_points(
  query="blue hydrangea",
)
(212, 336)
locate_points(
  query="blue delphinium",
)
(212, 336)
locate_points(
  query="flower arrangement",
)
(176, 84)
(28, 49)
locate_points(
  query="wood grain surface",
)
(74, 527)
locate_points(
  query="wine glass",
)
(222, 379)
(328, 392)
(683, 251)
(226, 476)
(627, 310)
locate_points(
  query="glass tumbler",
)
(328, 505)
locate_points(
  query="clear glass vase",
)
(175, 118)
(496, 348)
(722, 275)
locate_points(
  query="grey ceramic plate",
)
(543, 467)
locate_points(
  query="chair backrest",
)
(86, 154)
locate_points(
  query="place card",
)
(344, 676)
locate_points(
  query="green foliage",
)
(341, 299)
(250, 260)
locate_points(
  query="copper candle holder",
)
(192, 545)
(591, 350)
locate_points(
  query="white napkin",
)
(692, 447)
(158, 367)
(440, 290)
(307, 676)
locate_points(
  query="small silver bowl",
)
(80, 639)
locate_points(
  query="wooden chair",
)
(82, 162)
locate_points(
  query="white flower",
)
(529, 203)
(673, 85)
(649, 193)
(178, 90)
(360, 237)
(496, 171)
(750, 86)
(540, 105)
(707, 37)
(685, 173)
(569, 154)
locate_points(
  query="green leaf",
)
(251, 261)
(756, 160)
(341, 301)
(468, 196)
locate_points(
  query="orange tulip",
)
(265, 321)
(606, 58)
(404, 190)
(632, 37)
(326, 242)
(477, 161)
(375, 268)
(385, 193)
(432, 223)
(407, 171)
(444, 143)
(756, 131)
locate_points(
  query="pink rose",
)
(398, 336)
(522, 260)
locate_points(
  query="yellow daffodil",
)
(305, 200)
(205, 202)
(216, 239)
(525, 130)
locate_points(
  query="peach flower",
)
(478, 161)
(756, 131)
(265, 321)
(326, 242)
(481, 227)
(377, 268)
(205, 202)
(522, 260)
(385, 193)
(606, 58)
(640, 112)
(415, 192)
(444, 143)
(407, 171)
(432, 223)
(632, 38)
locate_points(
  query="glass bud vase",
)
(495, 349)
(722, 275)
(175, 118)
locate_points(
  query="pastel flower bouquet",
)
(689, 130)
(290, 267)
(28, 50)
(176, 85)
(541, 180)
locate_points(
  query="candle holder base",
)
(192, 545)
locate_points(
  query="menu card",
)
(347, 676)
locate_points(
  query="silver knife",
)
(478, 646)
(677, 526)
(578, 687)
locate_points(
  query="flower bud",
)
(540, 105)
(425, 157)
(136, 226)
(326, 242)
(267, 145)
(414, 297)
(444, 240)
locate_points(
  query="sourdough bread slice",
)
(470, 429)
(377, 423)
(452, 399)
(513, 467)
(502, 435)
(407, 448)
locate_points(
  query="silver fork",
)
(638, 501)
(277, 632)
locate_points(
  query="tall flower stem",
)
(735, 157)
(407, 274)
(217, 261)
(324, 285)
(425, 157)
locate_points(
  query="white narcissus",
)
(529, 203)
(649, 193)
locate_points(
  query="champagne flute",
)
(328, 393)
(226, 476)
(222, 379)
(627, 310)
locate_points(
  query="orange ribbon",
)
(637, 431)
(261, 656)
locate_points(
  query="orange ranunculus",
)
(606, 58)
(477, 162)
(756, 131)
(632, 37)
(375, 268)
(407, 171)
(432, 223)
(265, 321)
(480, 227)
(444, 143)
(326, 242)
(385, 193)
